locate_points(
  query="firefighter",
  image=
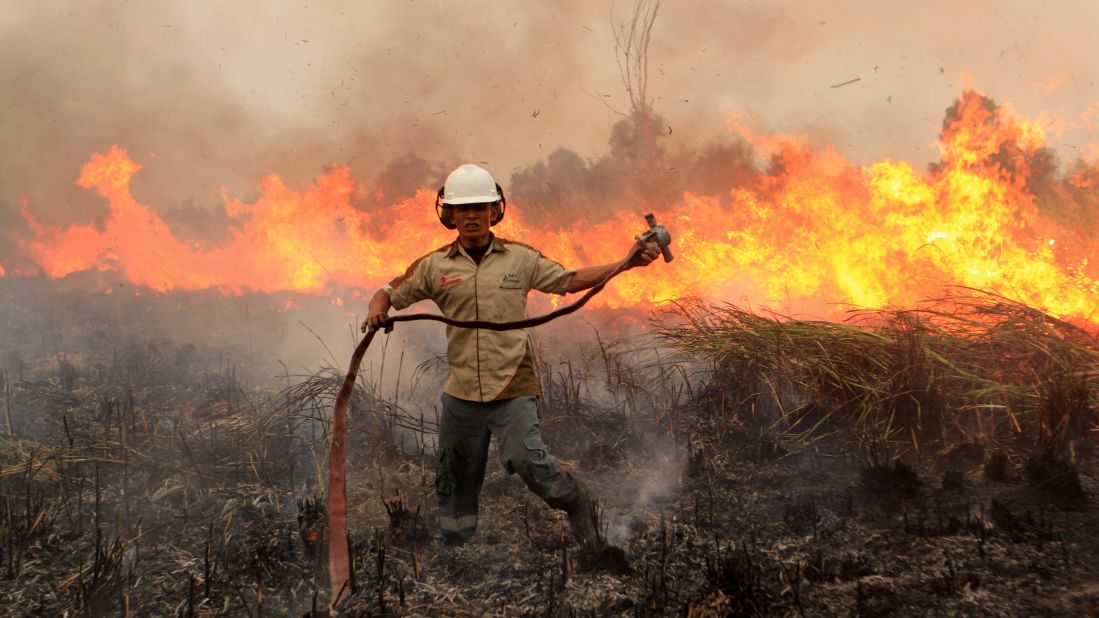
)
(492, 386)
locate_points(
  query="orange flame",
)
(813, 234)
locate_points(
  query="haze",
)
(221, 93)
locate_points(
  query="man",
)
(492, 387)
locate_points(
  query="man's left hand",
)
(646, 256)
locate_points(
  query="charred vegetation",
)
(939, 459)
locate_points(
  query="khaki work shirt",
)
(482, 362)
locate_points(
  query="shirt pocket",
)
(511, 281)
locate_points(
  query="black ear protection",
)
(498, 208)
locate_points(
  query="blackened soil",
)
(709, 527)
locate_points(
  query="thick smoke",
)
(221, 94)
(567, 187)
(210, 98)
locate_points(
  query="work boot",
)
(582, 519)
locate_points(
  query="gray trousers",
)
(464, 434)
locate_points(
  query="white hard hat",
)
(470, 184)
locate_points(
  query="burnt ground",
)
(210, 516)
(154, 477)
(732, 525)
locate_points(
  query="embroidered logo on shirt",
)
(510, 280)
(450, 280)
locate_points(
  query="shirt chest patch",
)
(510, 280)
(449, 280)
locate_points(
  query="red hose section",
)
(339, 568)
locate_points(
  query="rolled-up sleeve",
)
(549, 276)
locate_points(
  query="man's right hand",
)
(374, 321)
(378, 312)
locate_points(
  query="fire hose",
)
(339, 569)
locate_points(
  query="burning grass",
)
(968, 367)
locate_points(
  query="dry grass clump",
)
(970, 366)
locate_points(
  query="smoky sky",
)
(210, 95)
